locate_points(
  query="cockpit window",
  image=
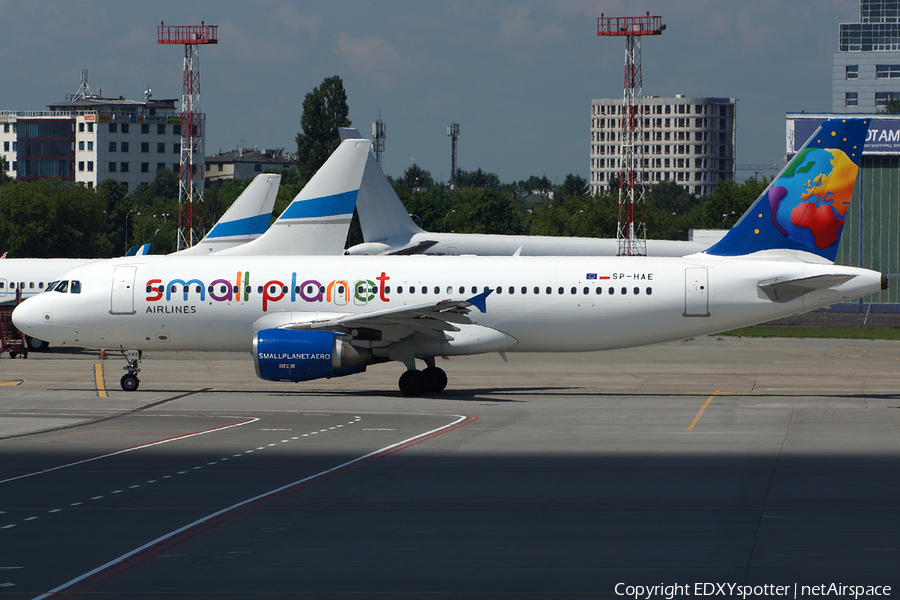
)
(62, 287)
(76, 287)
(52, 285)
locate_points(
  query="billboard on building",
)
(884, 132)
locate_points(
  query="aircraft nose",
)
(27, 318)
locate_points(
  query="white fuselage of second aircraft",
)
(537, 304)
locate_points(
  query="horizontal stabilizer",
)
(419, 248)
(782, 289)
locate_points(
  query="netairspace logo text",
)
(670, 591)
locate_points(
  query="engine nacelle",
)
(292, 355)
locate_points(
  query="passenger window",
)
(574, 290)
(41, 285)
(586, 291)
(499, 289)
(549, 290)
(247, 289)
(31, 285)
(637, 291)
(512, 290)
(340, 289)
(462, 289)
(561, 291)
(309, 290)
(197, 288)
(437, 290)
(236, 290)
(612, 291)
(649, 291)
(399, 289)
(537, 290)
(624, 291)
(524, 290)
(222, 289)
(475, 289)
(412, 289)
(598, 291)
(424, 289)
(259, 289)
(76, 287)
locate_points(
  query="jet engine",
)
(292, 355)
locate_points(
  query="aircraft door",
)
(3, 289)
(122, 300)
(696, 292)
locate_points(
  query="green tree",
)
(417, 177)
(574, 185)
(52, 219)
(4, 166)
(324, 110)
(892, 106)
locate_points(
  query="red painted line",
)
(128, 561)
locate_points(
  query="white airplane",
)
(388, 229)
(305, 318)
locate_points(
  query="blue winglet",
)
(479, 301)
(132, 251)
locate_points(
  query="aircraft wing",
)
(428, 319)
(782, 289)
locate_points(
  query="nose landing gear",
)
(130, 381)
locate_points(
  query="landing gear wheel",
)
(13, 354)
(435, 380)
(412, 383)
(37, 345)
(129, 382)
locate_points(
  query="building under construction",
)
(689, 141)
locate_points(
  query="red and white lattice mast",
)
(190, 190)
(632, 230)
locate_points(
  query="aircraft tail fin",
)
(381, 212)
(804, 208)
(246, 219)
(317, 221)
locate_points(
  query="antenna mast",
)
(190, 189)
(631, 233)
(453, 132)
(378, 134)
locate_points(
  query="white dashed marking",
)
(31, 518)
(11, 525)
(96, 497)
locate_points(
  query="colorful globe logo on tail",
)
(810, 200)
(805, 208)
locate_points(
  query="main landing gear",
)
(431, 380)
(130, 381)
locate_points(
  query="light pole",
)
(445, 219)
(725, 216)
(417, 219)
(165, 217)
(126, 229)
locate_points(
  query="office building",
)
(866, 71)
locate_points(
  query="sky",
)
(518, 76)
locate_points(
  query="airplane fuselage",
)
(541, 303)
